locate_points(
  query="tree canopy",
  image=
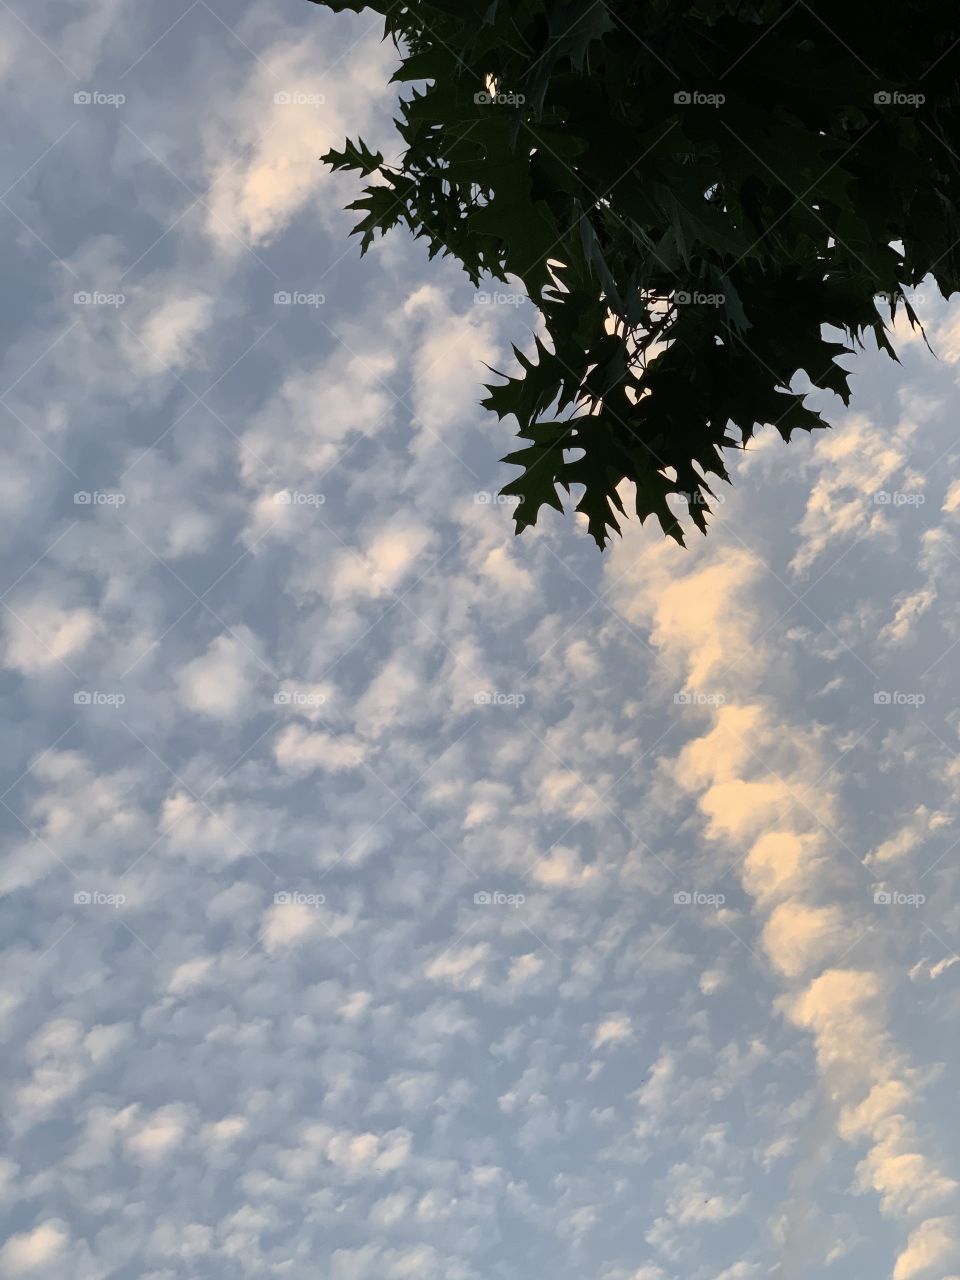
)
(703, 198)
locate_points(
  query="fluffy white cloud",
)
(40, 635)
(612, 1030)
(31, 1251)
(221, 682)
(931, 1247)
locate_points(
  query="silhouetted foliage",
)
(690, 192)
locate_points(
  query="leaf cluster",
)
(703, 198)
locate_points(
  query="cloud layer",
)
(385, 896)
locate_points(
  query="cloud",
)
(780, 863)
(524, 968)
(190, 975)
(910, 837)
(935, 970)
(936, 560)
(288, 923)
(563, 866)
(31, 1251)
(787, 871)
(931, 1247)
(452, 348)
(462, 967)
(392, 553)
(41, 635)
(612, 1030)
(168, 334)
(198, 831)
(302, 430)
(843, 1008)
(261, 147)
(62, 1057)
(220, 683)
(222, 1132)
(798, 937)
(300, 752)
(701, 620)
(854, 463)
(159, 1134)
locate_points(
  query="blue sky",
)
(384, 896)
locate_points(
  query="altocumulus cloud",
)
(263, 1023)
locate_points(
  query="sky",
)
(384, 896)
